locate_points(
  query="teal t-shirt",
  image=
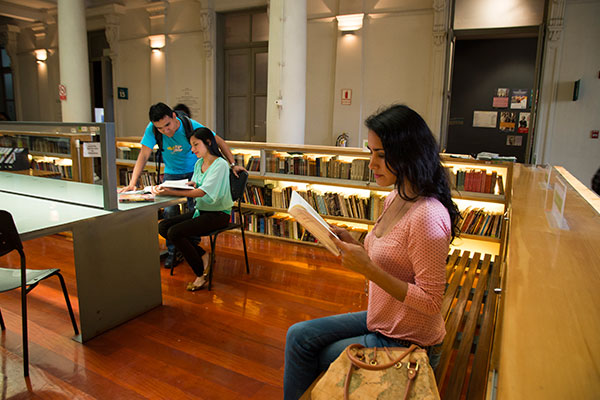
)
(177, 151)
(215, 183)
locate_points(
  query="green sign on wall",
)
(123, 93)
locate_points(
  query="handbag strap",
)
(412, 370)
(361, 364)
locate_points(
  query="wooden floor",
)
(223, 344)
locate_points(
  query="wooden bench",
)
(469, 309)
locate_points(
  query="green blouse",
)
(215, 183)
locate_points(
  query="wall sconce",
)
(41, 55)
(157, 42)
(350, 22)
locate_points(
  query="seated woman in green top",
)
(211, 190)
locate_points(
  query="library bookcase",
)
(337, 182)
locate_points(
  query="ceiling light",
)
(350, 22)
(41, 55)
(157, 42)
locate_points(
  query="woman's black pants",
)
(181, 228)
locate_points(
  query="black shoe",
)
(178, 258)
(173, 259)
(170, 260)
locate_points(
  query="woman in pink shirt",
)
(403, 257)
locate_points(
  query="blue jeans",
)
(175, 210)
(310, 347)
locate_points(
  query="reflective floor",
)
(223, 344)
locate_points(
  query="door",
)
(245, 61)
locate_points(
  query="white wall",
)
(569, 142)
(388, 61)
(398, 62)
(176, 74)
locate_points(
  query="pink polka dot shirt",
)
(414, 251)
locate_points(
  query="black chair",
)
(27, 279)
(238, 186)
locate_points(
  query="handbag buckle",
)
(398, 365)
(416, 365)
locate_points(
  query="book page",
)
(312, 221)
(177, 184)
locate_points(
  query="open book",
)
(312, 221)
(178, 184)
(146, 195)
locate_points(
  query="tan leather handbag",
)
(372, 373)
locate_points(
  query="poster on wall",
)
(485, 119)
(501, 98)
(514, 140)
(508, 121)
(519, 99)
(523, 126)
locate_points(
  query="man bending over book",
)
(168, 129)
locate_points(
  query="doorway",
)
(493, 91)
(100, 77)
(243, 74)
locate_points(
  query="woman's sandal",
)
(192, 288)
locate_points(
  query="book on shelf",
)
(283, 226)
(477, 221)
(476, 180)
(324, 166)
(14, 158)
(146, 178)
(66, 171)
(253, 164)
(329, 203)
(312, 221)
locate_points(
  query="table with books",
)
(116, 252)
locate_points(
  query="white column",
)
(74, 64)
(441, 8)
(209, 34)
(157, 13)
(543, 126)
(112, 24)
(286, 94)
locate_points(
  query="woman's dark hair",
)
(184, 108)
(158, 111)
(208, 138)
(412, 154)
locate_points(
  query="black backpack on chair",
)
(187, 127)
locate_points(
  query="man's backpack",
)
(187, 127)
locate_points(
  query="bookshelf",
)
(54, 152)
(340, 175)
(127, 151)
(305, 168)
